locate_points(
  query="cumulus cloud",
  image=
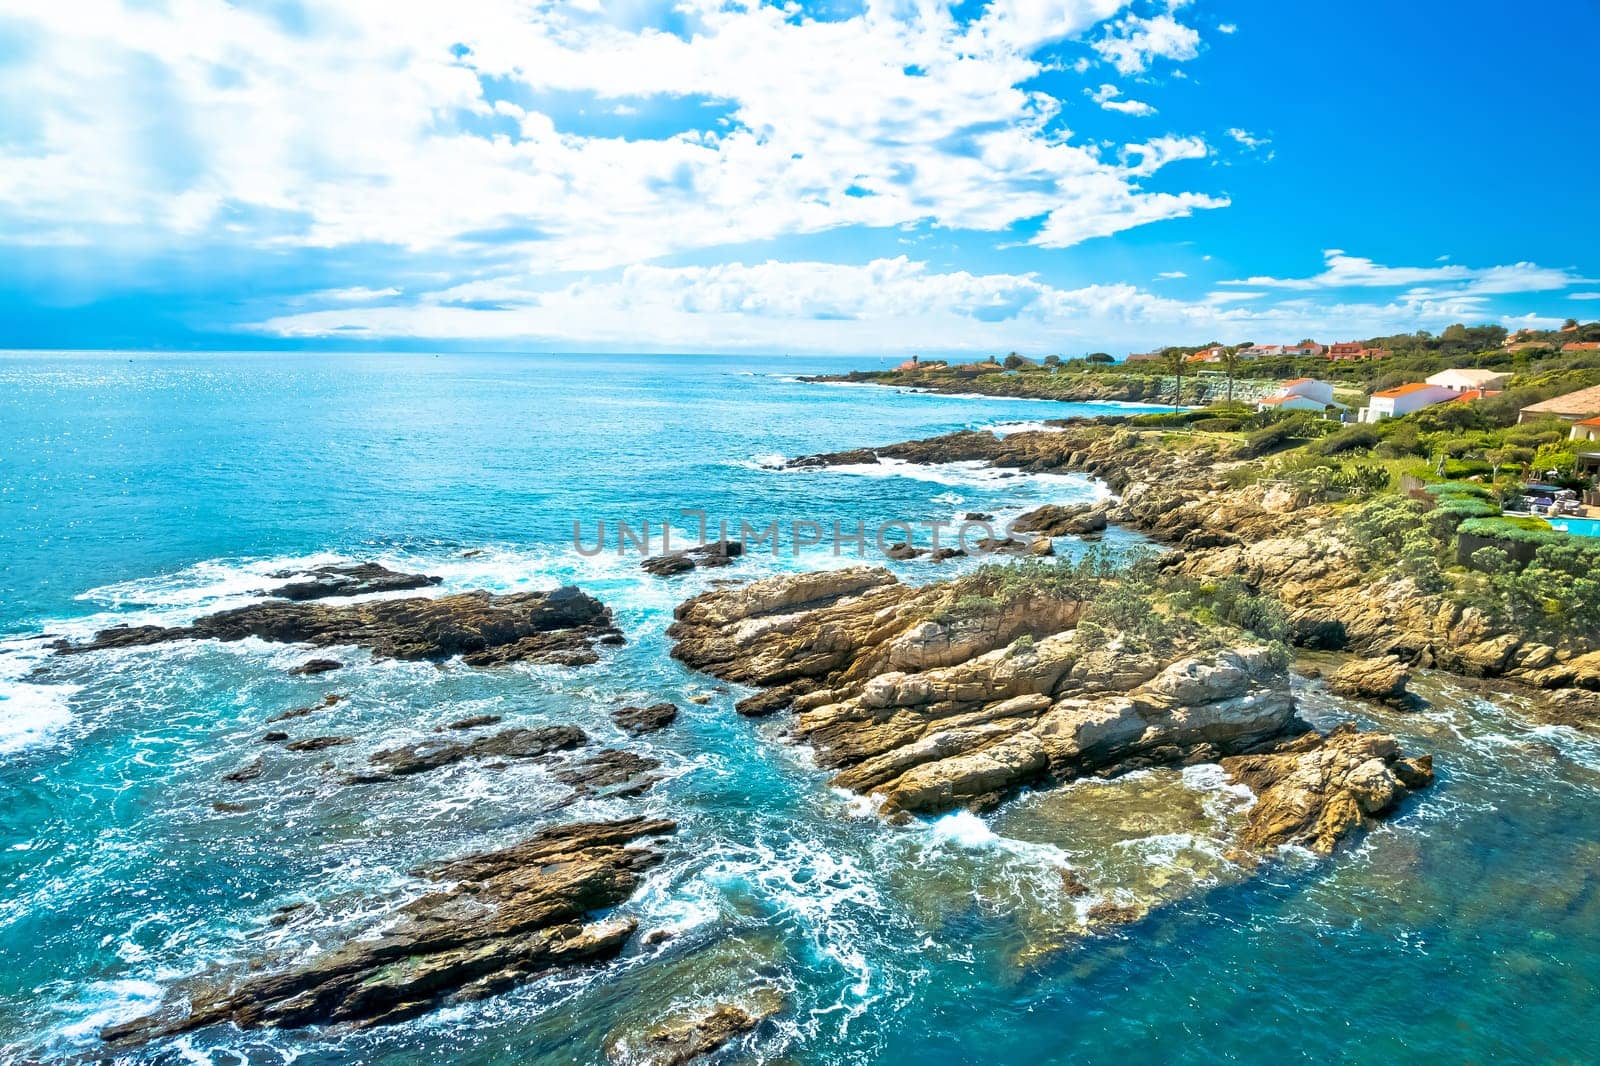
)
(1131, 43)
(893, 304)
(1348, 271)
(1107, 97)
(446, 129)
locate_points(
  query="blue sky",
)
(865, 176)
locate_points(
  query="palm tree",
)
(1230, 362)
(1175, 360)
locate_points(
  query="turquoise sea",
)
(140, 487)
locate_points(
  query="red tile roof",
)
(1582, 346)
(1590, 422)
(1403, 390)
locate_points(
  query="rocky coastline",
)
(928, 710)
(1273, 538)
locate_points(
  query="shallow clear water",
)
(142, 487)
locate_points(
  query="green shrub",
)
(1219, 425)
(1445, 489)
(1465, 507)
(1512, 530)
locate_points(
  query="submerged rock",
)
(504, 917)
(348, 579)
(470, 722)
(312, 667)
(690, 1035)
(300, 712)
(1316, 790)
(1383, 679)
(482, 628)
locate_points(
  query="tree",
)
(1570, 323)
(1230, 363)
(1015, 362)
(1175, 360)
(1496, 458)
(1101, 358)
(1052, 361)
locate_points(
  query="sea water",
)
(146, 488)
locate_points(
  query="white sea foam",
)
(964, 829)
(32, 714)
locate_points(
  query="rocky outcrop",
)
(1057, 520)
(500, 918)
(347, 579)
(1318, 789)
(1268, 535)
(508, 744)
(641, 720)
(484, 629)
(1383, 680)
(717, 553)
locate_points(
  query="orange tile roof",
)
(1590, 422)
(1275, 400)
(1299, 381)
(1403, 390)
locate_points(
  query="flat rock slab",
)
(559, 627)
(501, 918)
(641, 720)
(508, 744)
(348, 579)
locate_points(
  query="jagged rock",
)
(509, 744)
(312, 667)
(902, 552)
(1316, 790)
(612, 771)
(641, 720)
(934, 714)
(317, 743)
(273, 737)
(716, 553)
(688, 1036)
(1055, 520)
(348, 579)
(484, 629)
(501, 918)
(471, 722)
(1383, 679)
(1037, 546)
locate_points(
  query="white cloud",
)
(1106, 97)
(1248, 139)
(1347, 271)
(354, 294)
(1131, 43)
(1228, 28)
(418, 125)
(1170, 275)
(885, 305)
(1583, 295)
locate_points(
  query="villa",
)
(1355, 350)
(1461, 381)
(1588, 429)
(1581, 346)
(1577, 406)
(1309, 348)
(1301, 394)
(1403, 400)
(1208, 355)
(1261, 351)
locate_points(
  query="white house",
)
(1459, 380)
(1404, 399)
(1301, 394)
(1261, 351)
(1311, 348)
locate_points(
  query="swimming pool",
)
(1578, 527)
